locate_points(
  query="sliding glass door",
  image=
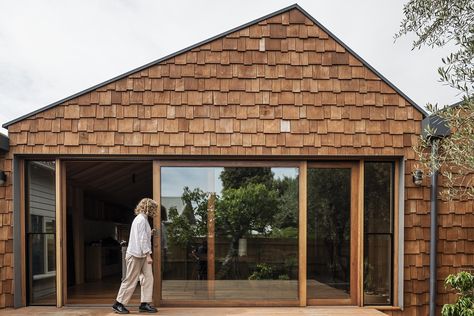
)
(229, 233)
(332, 234)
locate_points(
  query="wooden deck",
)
(254, 311)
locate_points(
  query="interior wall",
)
(97, 230)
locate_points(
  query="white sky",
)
(52, 49)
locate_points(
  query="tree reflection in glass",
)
(329, 228)
(247, 218)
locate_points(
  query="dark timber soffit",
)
(294, 6)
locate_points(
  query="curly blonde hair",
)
(146, 206)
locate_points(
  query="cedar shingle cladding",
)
(227, 97)
(6, 236)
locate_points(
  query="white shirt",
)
(139, 244)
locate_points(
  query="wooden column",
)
(302, 226)
(157, 235)
(211, 246)
(61, 272)
(64, 230)
(357, 212)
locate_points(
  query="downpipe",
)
(433, 226)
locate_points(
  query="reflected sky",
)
(174, 179)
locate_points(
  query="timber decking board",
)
(200, 311)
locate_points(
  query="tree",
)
(238, 177)
(251, 203)
(329, 218)
(192, 222)
(455, 158)
(463, 283)
(286, 217)
(436, 23)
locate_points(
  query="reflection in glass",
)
(232, 233)
(329, 228)
(41, 228)
(378, 233)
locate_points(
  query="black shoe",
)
(119, 308)
(147, 308)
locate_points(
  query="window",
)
(43, 244)
(41, 232)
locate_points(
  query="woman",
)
(138, 260)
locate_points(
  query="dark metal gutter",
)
(291, 7)
(437, 125)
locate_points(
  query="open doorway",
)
(101, 197)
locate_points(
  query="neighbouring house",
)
(283, 162)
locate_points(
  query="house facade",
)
(283, 163)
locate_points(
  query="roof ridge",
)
(191, 47)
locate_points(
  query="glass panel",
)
(329, 229)
(184, 196)
(378, 233)
(51, 252)
(230, 233)
(41, 227)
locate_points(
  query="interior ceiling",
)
(124, 183)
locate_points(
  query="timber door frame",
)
(355, 229)
(61, 229)
(156, 180)
(61, 242)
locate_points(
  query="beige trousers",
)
(137, 268)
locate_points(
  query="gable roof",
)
(189, 48)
